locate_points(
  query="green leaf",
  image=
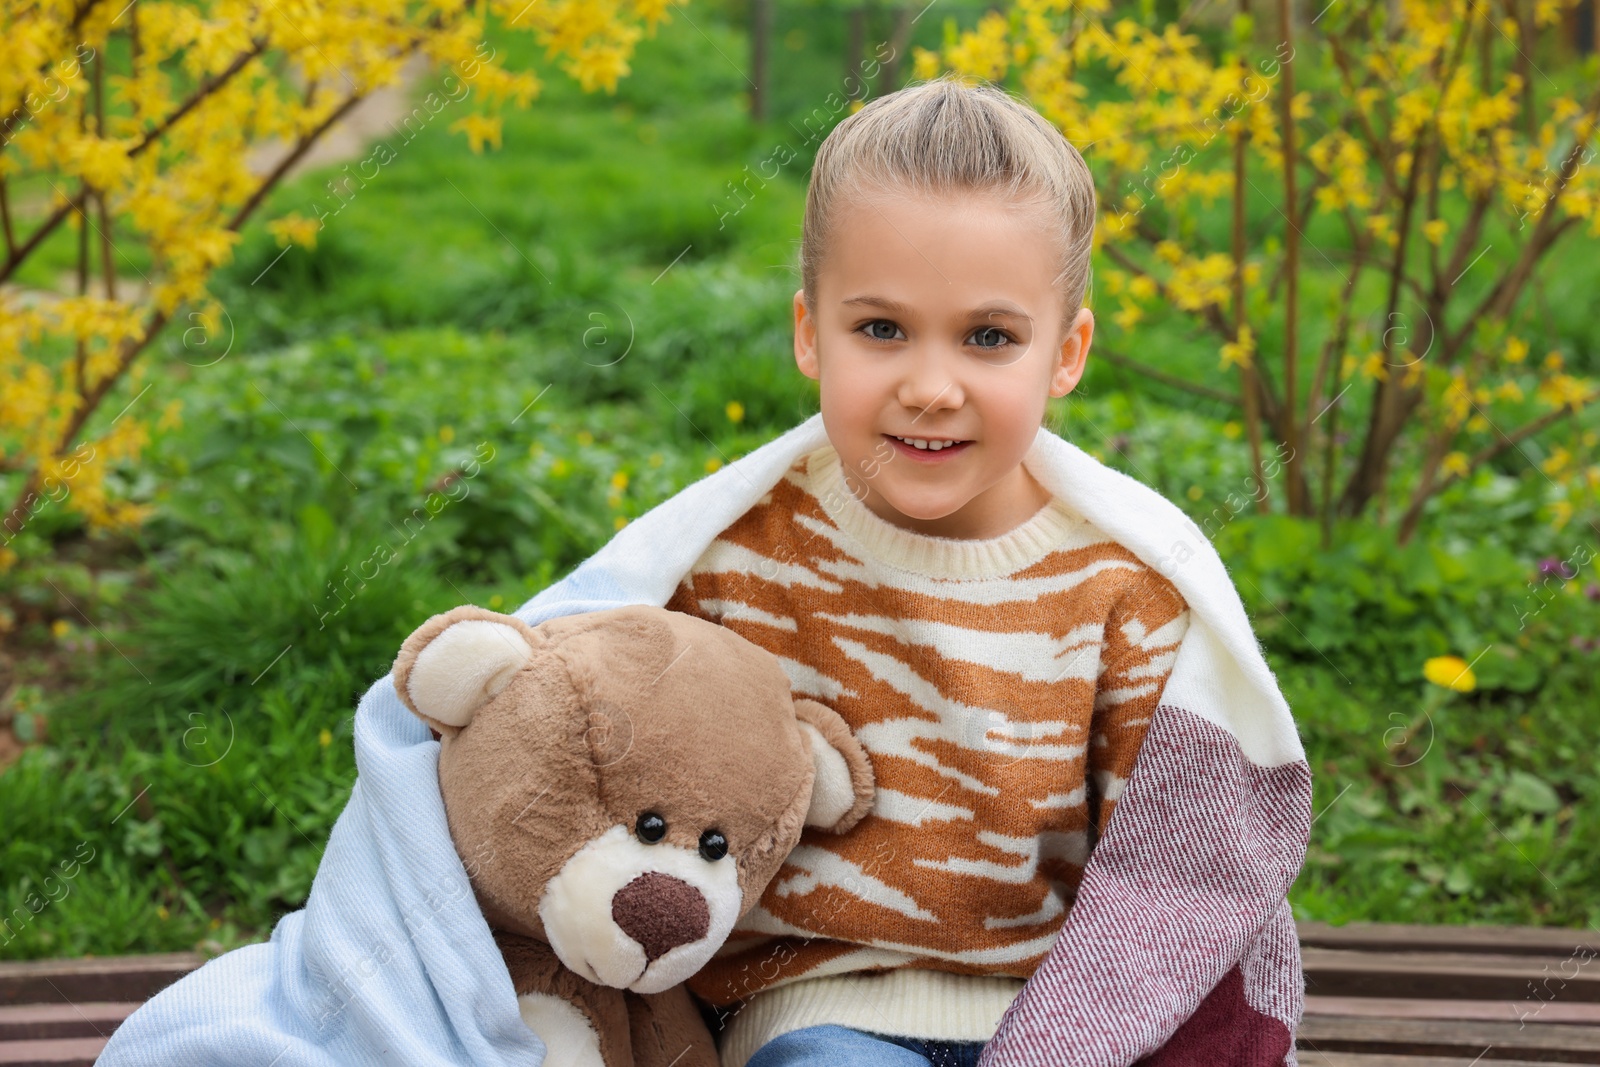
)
(1528, 792)
(317, 528)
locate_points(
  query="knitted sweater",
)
(1180, 946)
(1002, 687)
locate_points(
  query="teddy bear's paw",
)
(570, 1039)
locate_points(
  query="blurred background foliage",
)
(487, 362)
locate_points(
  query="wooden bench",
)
(1377, 995)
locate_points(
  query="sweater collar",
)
(935, 557)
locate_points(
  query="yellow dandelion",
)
(619, 522)
(447, 434)
(1195, 492)
(1231, 430)
(1451, 672)
(1552, 361)
(1456, 463)
(162, 913)
(1516, 350)
(61, 628)
(619, 481)
(560, 468)
(325, 738)
(712, 464)
(735, 411)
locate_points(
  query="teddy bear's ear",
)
(843, 790)
(458, 661)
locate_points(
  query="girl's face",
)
(935, 318)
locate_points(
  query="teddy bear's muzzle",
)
(660, 912)
(628, 914)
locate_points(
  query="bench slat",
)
(62, 1052)
(1550, 1043)
(1519, 1011)
(20, 1022)
(1312, 1058)
(1454, 975)
(1495, 940)
(108, 978)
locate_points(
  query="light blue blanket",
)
(389, 962)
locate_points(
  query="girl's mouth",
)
(927, 450)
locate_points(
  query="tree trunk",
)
(855, 52)
(760, 40)
(899, 40)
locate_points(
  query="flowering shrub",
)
(133, 124)
(1443, 168)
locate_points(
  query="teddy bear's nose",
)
(660, 912)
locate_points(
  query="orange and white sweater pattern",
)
(1002, 688)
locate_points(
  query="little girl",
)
(1000, 656)
(1091, 797)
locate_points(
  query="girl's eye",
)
(991, 337)
(875, 325)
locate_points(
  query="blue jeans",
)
(830, 1046)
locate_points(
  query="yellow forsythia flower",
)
(1451, 672)
(295, 228)
(1239, 352)
(479, 129)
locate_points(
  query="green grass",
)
(530, 309)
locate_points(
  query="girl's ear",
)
(1074, 354)
(842, 791)
(805, 337)
(458, 661)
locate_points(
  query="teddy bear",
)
(628, 781)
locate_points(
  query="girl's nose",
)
(929, 383)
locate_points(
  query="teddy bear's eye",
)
(650, 828)
(713, 846)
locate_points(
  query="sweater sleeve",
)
(1142, 634)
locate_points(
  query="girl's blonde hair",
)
(943, 136)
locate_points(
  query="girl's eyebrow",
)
(989, 310)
